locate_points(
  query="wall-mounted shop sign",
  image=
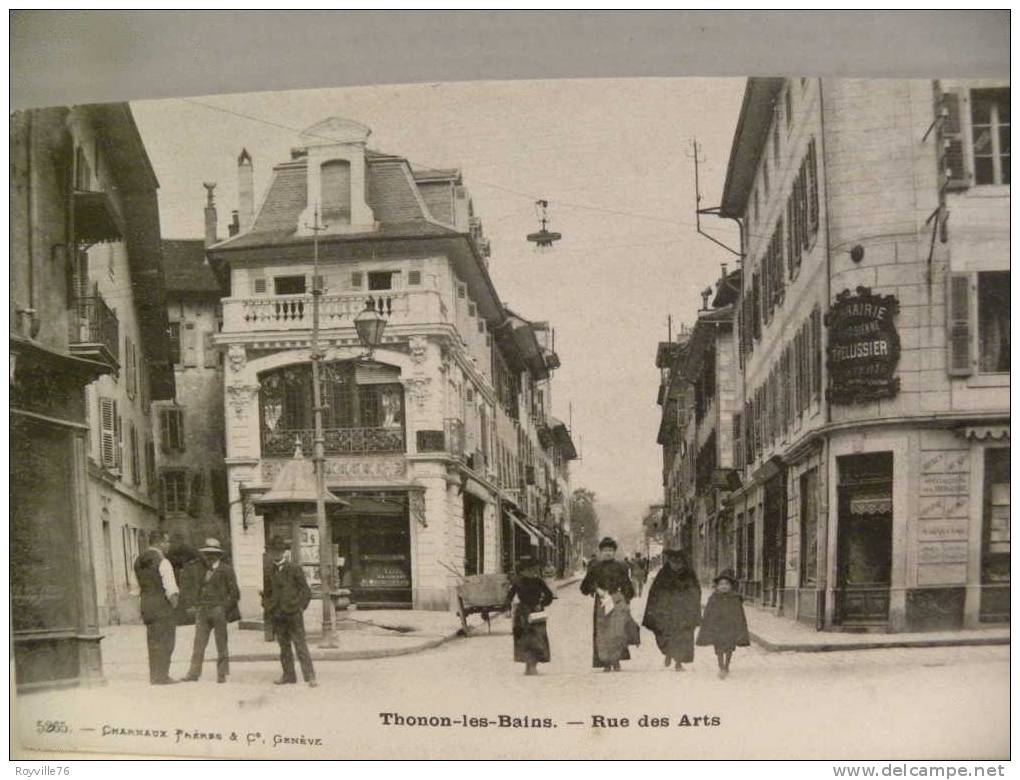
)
(864, 347)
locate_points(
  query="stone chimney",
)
(245, 190)
(210, 213)
(235, 226)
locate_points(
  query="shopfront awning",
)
(476, 489)
(525, 526)
(986, 432)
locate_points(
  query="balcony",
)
(294, 312)
(94, 331)
(338, 441)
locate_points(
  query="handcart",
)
(482, 594)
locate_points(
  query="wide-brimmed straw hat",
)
(212, 546)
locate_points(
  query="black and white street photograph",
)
(611, 416)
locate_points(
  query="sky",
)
(614, 159)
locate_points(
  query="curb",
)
(822, 647)
(320, 654)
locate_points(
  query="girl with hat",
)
(724, 625)
(673, 610)
(529, 596)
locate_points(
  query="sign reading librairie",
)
(864, 347)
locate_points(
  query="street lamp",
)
(370, 325)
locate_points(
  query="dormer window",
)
(336, 192)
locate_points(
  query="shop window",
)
(993, 321)
(995, 553)
(989, 112)
(749, 546)
(289, 285)
(809, 527)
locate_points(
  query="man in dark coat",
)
(216, 606)
(673, 610)
(606, 576)
(159, 592)
(285, 595)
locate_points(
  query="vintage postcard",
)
(576, 418)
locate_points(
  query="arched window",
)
(336, 192)
(363, 409)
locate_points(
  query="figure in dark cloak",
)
(605, 579)
(724, 625)
(529, 596)
(673, 609)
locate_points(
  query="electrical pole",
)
(319, 456)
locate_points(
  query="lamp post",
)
(369, 325)
(319, 457)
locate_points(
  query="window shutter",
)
(756, 305)
(118, 437)
(108, 425)
(738, 453)
(209, 350)
(162, 493)
(357, 280)
(258, 285)
(129, 369)
(195, 494)
(816, 352)
(413, 278)
(766, 286)
(189, 347)
(813, 190)
(958, 320)
(953, 158)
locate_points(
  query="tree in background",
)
(584, 522)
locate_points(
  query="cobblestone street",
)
(905, 702)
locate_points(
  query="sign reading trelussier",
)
(864, 347)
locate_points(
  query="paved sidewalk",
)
(778, 634)
(360, 635)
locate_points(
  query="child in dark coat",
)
(723, 624)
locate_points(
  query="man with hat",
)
(606, 578)
(285, 595)
(216, 605)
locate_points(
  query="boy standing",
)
(724, 625)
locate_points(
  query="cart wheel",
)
(463, 616)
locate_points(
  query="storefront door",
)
(774, 541)
(864, 539)
(373, 539)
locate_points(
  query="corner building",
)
(873, 340)
(410, 434)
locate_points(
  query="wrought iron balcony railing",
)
(338, 441)
(94, 330)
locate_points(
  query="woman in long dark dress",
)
(531, 641)
(673, 609)
(609, 582)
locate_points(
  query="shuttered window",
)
(258, 285)
(175, 343)
(172, 429)
(357, 280)
(189, 345)
(738, 442)
(195, 494)
(413, 278)
(130, 368)
(136, 470)
(816, 353)
(812, 175)
(174, 490)
(958, 322)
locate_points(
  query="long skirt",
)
(531, 641)
(611, 634)
(677, 643)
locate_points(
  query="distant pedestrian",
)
(158, 586)
(216, 606)
(639, 572)
(609, 582)
(724, 625)
(673, 610)
(528, 597)
(285, 596)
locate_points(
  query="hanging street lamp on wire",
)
(543, 239)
